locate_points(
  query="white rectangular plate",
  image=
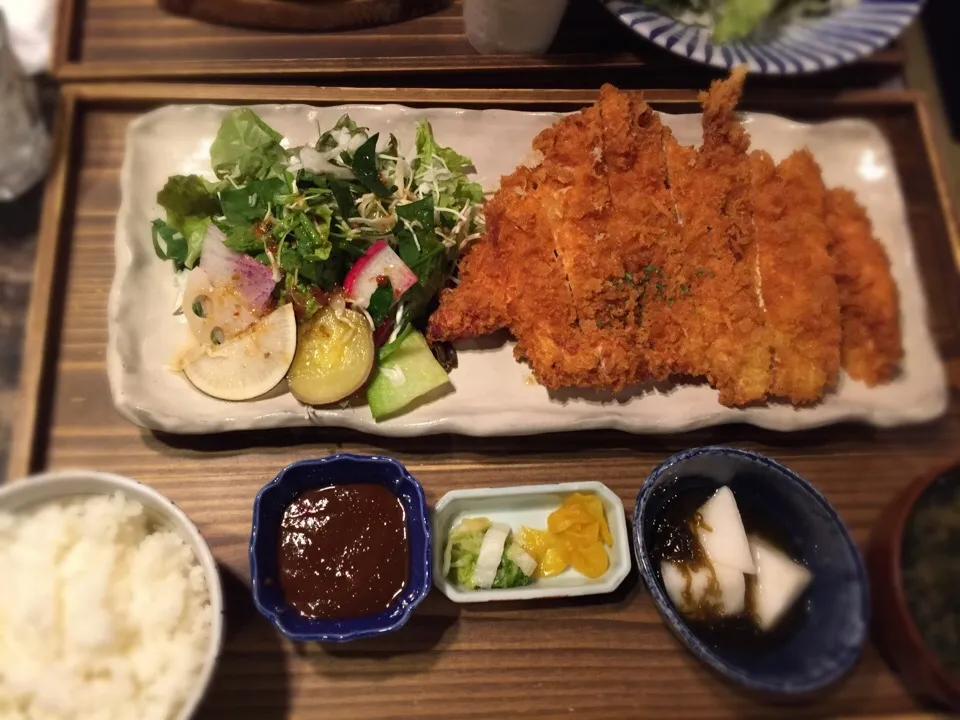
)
(529, 505)
(494, 394)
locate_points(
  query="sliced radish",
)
(491, 553)
(251, 280)
(250, 364)
(379, 261)
(721, 533)
(780, 581)
(215, 314)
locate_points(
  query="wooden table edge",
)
(66, 67)
(36, 356)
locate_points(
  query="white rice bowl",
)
(111, 607)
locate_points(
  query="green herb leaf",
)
(419, 213)
(187, 195)
(241, 236)
(380, 303)
(246, 147)
(364, 166)
(198, 310)
(174, 243)
(430, 154)
(391, 347)
(251, 202)
(343, 194)
(313, 243)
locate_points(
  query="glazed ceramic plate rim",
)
(620, 563)
(67, 484)
(674, 620)
(804, 46)
(403, 606)
(143, 333)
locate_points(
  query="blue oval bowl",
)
(342, 469)
(828, 643)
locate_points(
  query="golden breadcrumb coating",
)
(872, 346)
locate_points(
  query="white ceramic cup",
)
(512, 27)
(37, 490)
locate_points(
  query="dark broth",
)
(931, 568)
(670, 538)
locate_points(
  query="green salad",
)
(319, 262)
(737, 19)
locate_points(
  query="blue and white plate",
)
(806, 46)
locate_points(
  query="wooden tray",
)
(607, 657)
(116, 39)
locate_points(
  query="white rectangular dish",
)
(494, 394)
(529, 505)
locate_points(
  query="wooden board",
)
(115, 39)
(602, 657)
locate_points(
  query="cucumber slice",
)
(410, 372)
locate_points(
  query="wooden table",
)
(124, 39)
(602, 657)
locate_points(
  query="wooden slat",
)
(119, 39)
(37, 341)
(602, 658)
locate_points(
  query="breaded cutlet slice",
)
(797, 276)
(643, 228)
(872, 346)
(543, 315)
(576, 211)
(478, 304)
(711, 189)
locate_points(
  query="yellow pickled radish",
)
(566, 517)
(575, 536)
(555, 561)
(590, 560)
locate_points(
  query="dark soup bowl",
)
(914, 561)
(819, 640)
(370, 515)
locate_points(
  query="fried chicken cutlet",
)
(869, 303)
(711, 188)
(625, 256)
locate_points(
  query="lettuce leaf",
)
(247, 148)
(189, 195)
(431, 154)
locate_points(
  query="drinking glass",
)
(24, 143)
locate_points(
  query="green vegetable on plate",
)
(481, 555)
(349, 223)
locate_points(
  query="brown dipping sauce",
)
(343, 551)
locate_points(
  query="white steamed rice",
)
(102, 615)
